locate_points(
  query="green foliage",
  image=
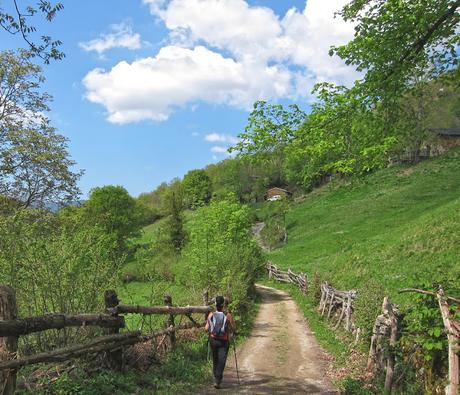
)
(55, 266)
(340, 137)
(183, 370)
(367, 306)
(197, 188)
(114, 211)
(172, 232)
(35, 168)
(274, 232)
(395, 40)
(221, 255)
(17, 21)
(270, 129)
(424, 339)
(351, 386)
(394, 229)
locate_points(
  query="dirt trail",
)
(281, 356)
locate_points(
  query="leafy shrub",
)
(55, 266)
(424, 340)
(367, 306)
(274, 215)
(221, 254)
(350, 386)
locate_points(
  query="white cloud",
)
(150, 88)
(223, 138)
(122, 36)
(219, 150)
(225, 52)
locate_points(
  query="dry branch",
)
(434, 294)
(287, 276)
(103, 343)
(62, 354)
(25, 326)
(453, 336)
(126, 309)
(333, 300)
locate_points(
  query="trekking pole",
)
(236, 362)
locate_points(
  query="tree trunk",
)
(8, 345)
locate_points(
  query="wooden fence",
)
(301, 279)
(333, 300)
(385, 334)
(386, 330)
(112, 343)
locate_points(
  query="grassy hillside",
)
(400, 227)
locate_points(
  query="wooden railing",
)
(386, 330)
(333, 300)
(385, 334)
(113, 343)
(289, 276)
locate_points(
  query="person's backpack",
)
(218, 324)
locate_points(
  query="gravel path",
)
(280, 357)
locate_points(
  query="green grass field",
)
(398, 228)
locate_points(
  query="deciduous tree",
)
(35, 168)
(16, 18)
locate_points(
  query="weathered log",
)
(326, 298)
(283, 280)
(115, 358)
(102, 343)
(206, 302)
(26, 326)
(453, 338)
(394, 334)
(126, 309)
(170, 322)
(342, 313)
(323, 298)
(331, 305)
(348, 313)
(9, 344)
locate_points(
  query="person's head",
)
(220, 302)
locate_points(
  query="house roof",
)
(446, 131)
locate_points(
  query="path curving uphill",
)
(281, 356)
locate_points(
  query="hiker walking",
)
(219, 324)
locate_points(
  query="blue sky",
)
(150, 89)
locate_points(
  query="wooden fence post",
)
(453, 338)
(206, 303)
(170, 322)
(8, 345)
(348, 313)
(394, 335)
(114, 357)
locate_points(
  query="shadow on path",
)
(264, 384)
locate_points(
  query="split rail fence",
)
(112, 343)
(333, 300)
(387, 327)
(301, 280)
